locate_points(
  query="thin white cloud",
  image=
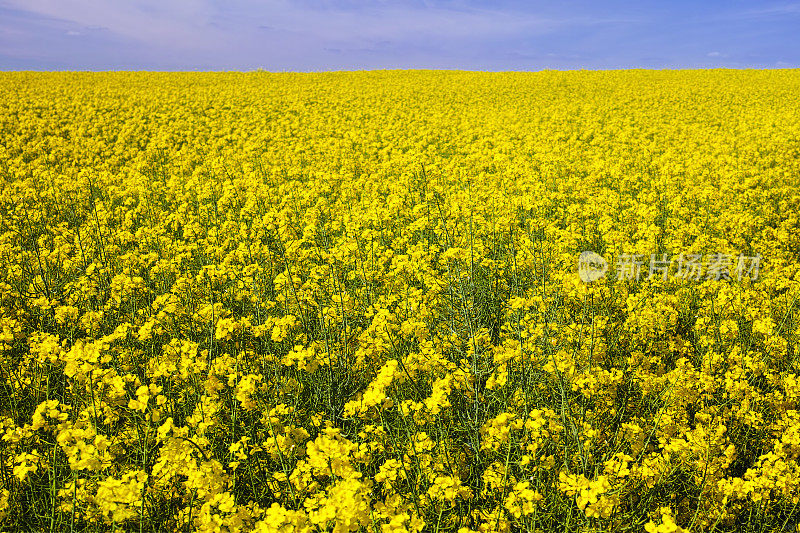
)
(179, 24)
(775, 10)
(389, 21)
(200, 25)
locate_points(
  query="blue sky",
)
(314, 35)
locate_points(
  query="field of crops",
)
(352, 302)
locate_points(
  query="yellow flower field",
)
(351, 301)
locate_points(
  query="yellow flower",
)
(119, 499)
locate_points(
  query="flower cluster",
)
(349, 301)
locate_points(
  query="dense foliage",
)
(351, 301)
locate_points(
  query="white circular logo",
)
(591, 266)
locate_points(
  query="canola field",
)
(352, 301)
